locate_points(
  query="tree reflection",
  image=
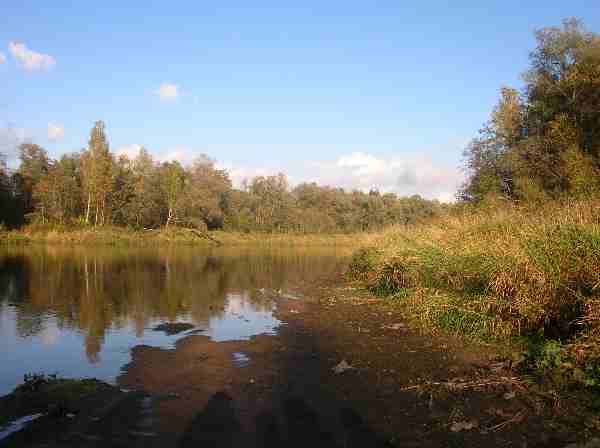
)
(94, 290)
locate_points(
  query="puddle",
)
(240, 359)
(241, 319)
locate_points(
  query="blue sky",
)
(361, 94)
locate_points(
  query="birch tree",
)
(172, 184)
(97, 166)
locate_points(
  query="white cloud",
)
(56, 132)
(361, 163)
(239, 174)
(10, 139)
(168, 92)
(179, 153)
(186, 156)
(2, 58)
(447, 196)
(405, 176)
(131, 151)
(29, 59)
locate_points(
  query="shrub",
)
(362, 263)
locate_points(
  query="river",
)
(78, 312)
(253, 347)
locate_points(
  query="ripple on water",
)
(240, 359)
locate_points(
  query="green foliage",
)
(34, 165)
(391, 277)
(545, 354)
(544, 141)
(568, 259)
(362, 262)
(558, 361)
(96, 188)
(46, 394)
(462, 321)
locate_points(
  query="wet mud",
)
(399, 389)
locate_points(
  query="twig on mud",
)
(468, 384)
(517, 418)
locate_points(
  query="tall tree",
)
(144, 205)
(6, 196)
(57, 194)
(172, 185)
(208, 192)
(123, 196)
(97, 169)
(272, 200)
(541, 142)
(33, 166)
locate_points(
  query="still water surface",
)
(77, 312)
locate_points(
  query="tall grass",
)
(499, 272)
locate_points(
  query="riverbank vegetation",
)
(94, 189)
(519, 255)
(498, 274)
(42, 394)
(124, 236)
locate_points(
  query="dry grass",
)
(121, 236)
(498, 272)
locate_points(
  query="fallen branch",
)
(517, 418)
(204, 235)
(467, 384)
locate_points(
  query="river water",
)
(78, 312)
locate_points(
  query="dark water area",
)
(78, 312)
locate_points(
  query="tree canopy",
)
(94, 187)
(544, 141)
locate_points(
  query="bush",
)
(363, 262)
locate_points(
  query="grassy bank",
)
(501, 273)
(47, 395)
(119, 236)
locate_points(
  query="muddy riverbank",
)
(293, 388)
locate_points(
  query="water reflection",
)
(240, 359)
(78, 312)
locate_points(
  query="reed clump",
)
(500, 272)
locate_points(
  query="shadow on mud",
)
(297, 425)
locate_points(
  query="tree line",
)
(543, 142)
(94, 187)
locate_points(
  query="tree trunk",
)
(87, 212)
(169, 216)
(102, 217)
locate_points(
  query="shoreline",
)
(403, 387)
(114, 236)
